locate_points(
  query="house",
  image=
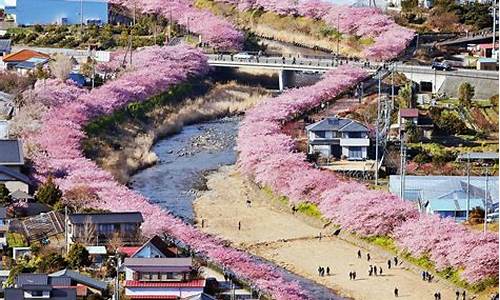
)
(168, 278)
(4, 274)
(446, 196)
(25, 60)
(63, 12)
(21, 252)
(97, 254)
(41, 286)
(338, 138)
(11, 162)
(485, 63)
(98, 228)
(5, 47)
(154, 248)
(84, 285)
(408, 116)
(155, 271)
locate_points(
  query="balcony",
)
(354, 142)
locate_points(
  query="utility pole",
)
(81, 17)
(468, 188)
(486, 200)
(392, 84)
(338, 36)
(377, 130)
(401, 160)
(495, 27)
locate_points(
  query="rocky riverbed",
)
(183, 160)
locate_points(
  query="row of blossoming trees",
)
(55, 143)
(215, 31)
(389, 38)
(269, 156)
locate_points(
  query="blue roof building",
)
(32, 12)
(447, 195)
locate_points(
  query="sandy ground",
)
(293, 244)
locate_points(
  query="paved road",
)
(307, 64)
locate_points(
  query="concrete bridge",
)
(486, 82)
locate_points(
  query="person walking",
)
(380, 271)
(319, 270)
(354, 275)
(327, 271)
(389, 264)
(370, 271)
(375, 270)
(359, 253)
(350, 275)
(457, 295)
(463, 295)
(396, 292)
(319, 236)
(439, 295)
(249, 203)
(436, 296)
(368, 257)
(424, 275)
(395, 261)
(239, 225)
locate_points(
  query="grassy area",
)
(309, 209)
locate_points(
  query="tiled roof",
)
(81, 279)
(128, 250)
(158, 261)
(155, 297)
(8, 174)
(11, 152)
(24, 55)
(107, 218)
(4, 45)
(159, 244)
(337, 124)
(408, 113)
(197, 283)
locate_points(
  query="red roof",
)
(408, 113)
(197, 283)
(24, 55)
(145, 297)
(128, 251)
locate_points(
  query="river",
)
(184, 158)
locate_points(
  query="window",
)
(355, 153)
(36, 293)
(354, 135)
(106, 229)
(320, 134)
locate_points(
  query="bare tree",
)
(88, 232)
(61, 66)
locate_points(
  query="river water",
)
(184, 158)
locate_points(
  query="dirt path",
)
(293, 244)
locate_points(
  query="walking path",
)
(292, 243)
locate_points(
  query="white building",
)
(339, 138)
(154, 271)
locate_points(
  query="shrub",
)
(78, 257)
(48, 193)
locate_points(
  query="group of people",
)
(457, 294)
(426, 276)
(374, 271)
(352, 275)
(437, 296)
(322, 270)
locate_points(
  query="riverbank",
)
(292, 243)
(125, 147)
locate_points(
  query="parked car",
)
(243, 55)
(493, 217)
(441, 66)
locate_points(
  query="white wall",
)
(180, 292)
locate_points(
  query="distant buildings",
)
(24, 61)
(32, 12)
(446, 196)
(61, 285)
(92, 229)
(338, 138)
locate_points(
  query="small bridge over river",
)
(436, 81)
